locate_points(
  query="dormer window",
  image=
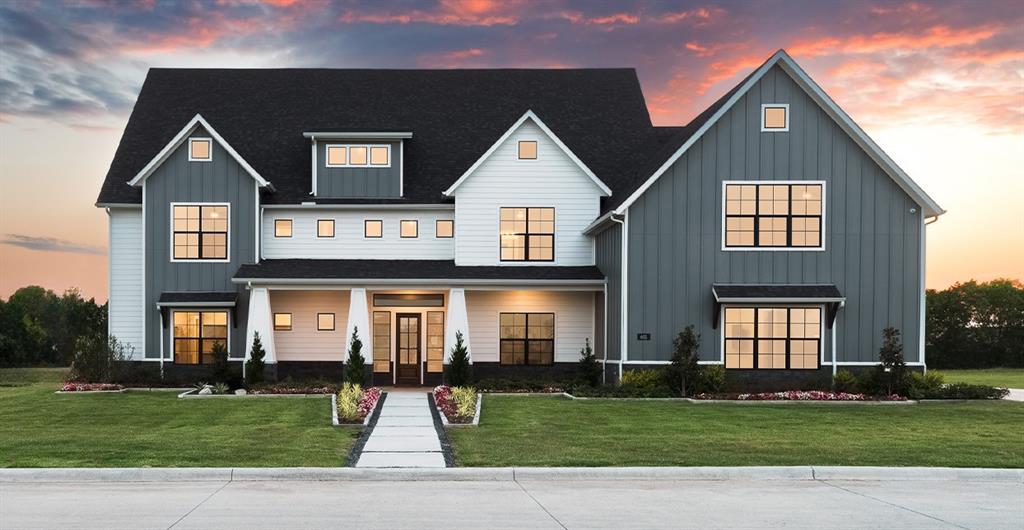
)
(775, 117)
(358, 155)
(200, 149)
(527, 149)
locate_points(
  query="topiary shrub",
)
(683, 374)
(459, 371)
(355, 366)
(845, 381)
(254, 366)
(588, 370)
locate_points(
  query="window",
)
(527, 234)
(325, 228)
(408, 300)
(379, 155)
(773, 215)
(444, 228)
(337, 155)
(325, 321)
(196, 333)
(200, 232)
(775, 117)
(435, 341)
(200, 150)
(373, 228)
(282, 228)
(527, 150)
(410, 228)
(282, 321)
(382, 341)
(772, 337)
(527, 338)
(358, 155)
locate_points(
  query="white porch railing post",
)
(457, 321)
(260, 321)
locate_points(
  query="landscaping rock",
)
(240, 392)
(206, 391)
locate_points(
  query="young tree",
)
(893, 366)
(459, 372)
(355, 372)
(684, 372)
(219, 370)
(588, 369)
(254, 366)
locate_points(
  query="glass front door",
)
(408, 348)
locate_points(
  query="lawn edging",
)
(476, 415)
(747, 401)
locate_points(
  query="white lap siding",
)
(574, 319)
(304, 342)
(125, 309)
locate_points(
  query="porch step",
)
(401, 460)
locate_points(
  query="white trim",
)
(329, 206)
(348, 147)
(258, 212)
(355, 135)
(314, 164)
(412, 282)
(531, 116)
(623, 288)
(824, 212)
(401, 169)
(787, 63)
(145, 306)
(195, 304)
(170, 242)
(170, 333)
(786, 305)
(653, 363)
(180, 137)
(764, 106)
(924, 295)
(111, 205)
(208, 140)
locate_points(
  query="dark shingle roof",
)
(368, 269)
(751, 291)
(208, 297)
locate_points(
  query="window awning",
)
(826, 294)
(197, 299)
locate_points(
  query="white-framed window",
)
(200, 149)
(773, 215)
(775, 117)
(358, 155)
(282, 228)
(444, 228)
(527, 150)
(325, 228)
(409, 229)
(772, 337)
(199, 231)
(282, 321)
(527, 234)
(325, 321)
(373, 228)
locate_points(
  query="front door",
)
(408, 338)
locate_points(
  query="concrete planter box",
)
(476, 415)
(366, 420)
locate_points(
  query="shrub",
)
(254, 366)
(642, 379)
(220, 370)
(683, 374)
(355, 366)
(519, 385)
(712, 378)
(98, 360)
(969, 391)
(845, 381)
(465, 401)
(459, 371)
(221, 388)
(348, 402)
(623, 391)
(870, 381)
(893, 366)
(588, 369)
(921, 385)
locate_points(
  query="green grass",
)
(1001, 377)
(41, 429)
(542, 431)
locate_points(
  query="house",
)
(532, 211)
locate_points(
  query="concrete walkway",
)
(404, 435)
(1016, 394)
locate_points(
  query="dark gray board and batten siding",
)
(872, 240)
(608, 254)
(369, 182)
(179, 180)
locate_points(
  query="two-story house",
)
(532, 211)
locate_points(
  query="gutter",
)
(623, 300)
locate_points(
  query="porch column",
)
(260, 321)
(457, 321)
(359, 316)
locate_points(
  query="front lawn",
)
(549, 431)
(41, 429)
(1001, 377)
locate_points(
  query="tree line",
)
(40, 328)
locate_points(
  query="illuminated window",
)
(773, 215)
(337, 155)
(373, 228)
(380, 155)
(196, 333)
(435, 341)
(357, 155)
(325, 321)
(382, 341)
(200, 150)
(772, 337)
(282, 228)
(410, 228)
(444, 228)
(325, 228)
(345, 155)
(527, 338)
(527, 234)
(282, 321)
(775, 117)
(200, 232)
(527, 150)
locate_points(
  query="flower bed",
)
(294, 389)
(355, 404)
(802, 395)
(71, 386)
(458, 404)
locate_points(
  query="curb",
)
(511, 474)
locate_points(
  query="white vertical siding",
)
(125, 309)
(304, 342)
(574, 319)
(348, 241)
(505, 181)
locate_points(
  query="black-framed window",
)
(527, 338)
(282, 321)
(408, 300)
(435, 341)
(381, 341)
(196, 333)
(282, 228)
(770, 215)
(325, 228)
(444, 228)
(200, 231)
(325, 321)
(373, 228)
(409, 228)
(527, 234)
(772, 337)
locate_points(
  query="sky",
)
(938, 85)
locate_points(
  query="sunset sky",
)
(940, 86)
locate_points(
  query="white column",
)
(457, 321)
(359, 316)
(260, 321)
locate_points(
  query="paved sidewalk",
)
(1016, 394)
(404, 435)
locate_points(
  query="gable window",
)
(196, 333)
(337, 155)
(374, 155)
(527, 338)
(410, 229)
(282, 321)
(766, 338)
(373, 228)
(325, 321)
(527, 149)
(767, 215)
(444, 228)
(200, 149)
(282, 228)
(325, 228)
(527, 234)
(200, 232)
(775, 117)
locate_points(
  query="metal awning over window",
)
(826, 294)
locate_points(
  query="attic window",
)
(528, 150)
(345, 155)
(200, 150)
(775, 117)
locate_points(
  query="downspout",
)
(161, 344)
(623, 265)
(245, 357)
(835, 362)
(924, 293)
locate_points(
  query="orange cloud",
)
(940, 36)
(617, 18)
(449, 13)
(699, 15)
(452, 59)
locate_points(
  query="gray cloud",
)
(49, 244)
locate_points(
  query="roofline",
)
(778, 299)
(598, 225)
(361, 206)
(180, 137)
(540, 123)
(118, 205)
(355, 135)
(195, 304)
(417, 281)
(930, 207)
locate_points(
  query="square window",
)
(282, 228)
(337, 155)
(357, 155)
(775, 118)
(410, 229)
(325, 228)
(445, 228)
(379, 155)
(527, 150)
(282, 321)
(200, 149)
(325, 321)
(373, 228)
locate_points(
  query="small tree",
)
(356, 365)
(893, 365)
(588, 369)
(459, 372)
(219, 369)
(98, 359)
(254, 366)
(684, 373)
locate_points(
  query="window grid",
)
(435, 341)
(527, 234)
(381, 341)
(773, 215)
(527, 338)
(761, 338)
(196, 333)
(357, 155)
(200, 232)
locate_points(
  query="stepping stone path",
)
(404, 435)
